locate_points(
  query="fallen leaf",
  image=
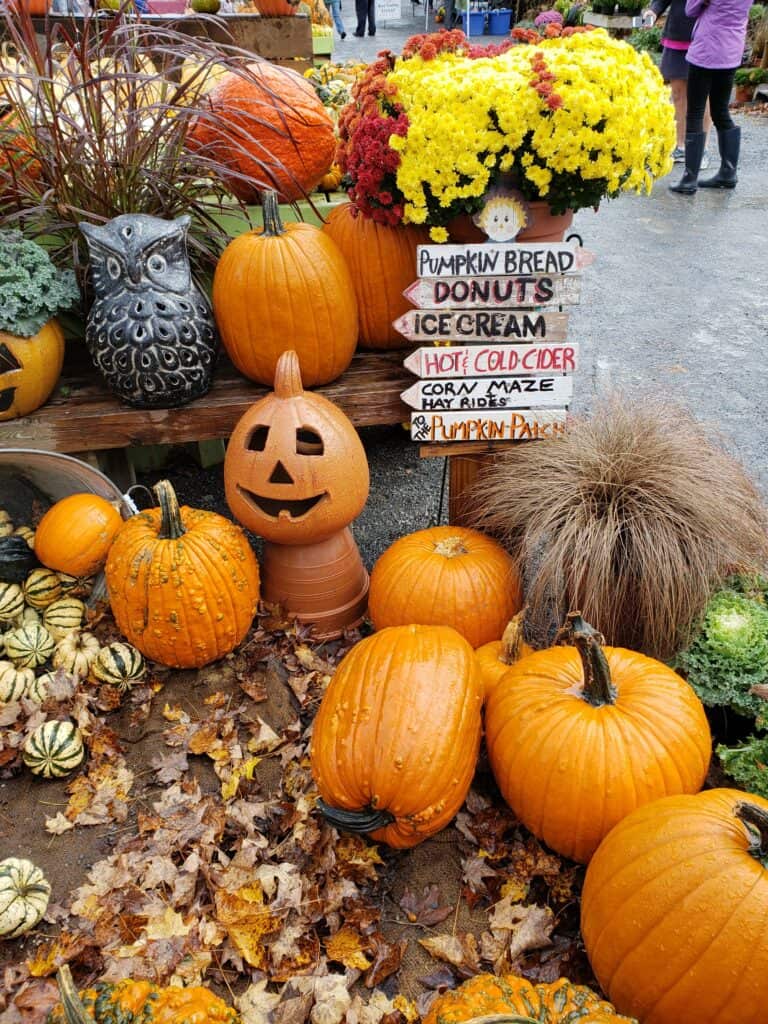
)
(167, 925)
(426, 909)
(170, 767)
(58, 824)
(459, 950)
(347, 947)
(387, 957)
(51, 955)
(248, 922)
(256, 1004)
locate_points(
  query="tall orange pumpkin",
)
(396, 738)
(579, 736)
(382, 261)
(281, 288)
(446, 576)
(74, 536)
(183, 583)
(674, 910)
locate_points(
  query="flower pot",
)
(473, 23)
(744, 93)
(463, 231)
(545, 226)
(499, 22)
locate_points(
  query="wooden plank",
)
(477, 292)
(520, 425)
(495, 360)
(462, 473)
(482, 325)
(489, 393)
(497, 259)
(441, 451)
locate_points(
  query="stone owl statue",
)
(150, 330)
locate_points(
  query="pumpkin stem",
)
(288, 376)
(171, 526)
(72, 1004)
(512, 639)
(270, 215)
(598, 689)
(451, 547)
(366, 820)
(756, 821)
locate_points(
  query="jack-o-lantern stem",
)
(171, 526)
(288, 376)
(756, 821)
(270, 215)
(598, 689)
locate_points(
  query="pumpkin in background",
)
(395, 742)
(295, 471)
(516, 1000)
(29, 369)
(382, 261)
(579, 736)
(674, 908)
(277, 8)
(24, 895)
(332, 179)
(183, 583)
(498, 655)
(269, 128)
(446, 576)
(285, 288)
(75, 534)
(54, 749)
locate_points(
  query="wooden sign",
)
(489, 393)
(477, 292)
(491, 259)
(496, 360)
(492, 426)
(481, 325)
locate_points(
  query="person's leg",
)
(728, 134)
(371, 17)
(337, 19)
(679, 88)
(698, 90)
(361, 10)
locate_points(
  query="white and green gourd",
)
(29, 645)
(76, 586)
(11, 601)
(63, 616)
(38, 688)
(42, 587)
(54, 749)
(120, 665)
(76, 652)
(24, 895)
(14, 682)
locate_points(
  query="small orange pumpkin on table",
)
(498, 655)
(75, 534)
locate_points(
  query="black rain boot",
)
(728, 142)
(694, 150)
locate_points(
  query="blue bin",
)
(474, 22)
(499, 22)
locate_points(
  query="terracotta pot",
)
(324, 584)
(464, 231)
(545, 226)
(744, 93)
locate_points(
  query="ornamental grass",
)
(632, 517)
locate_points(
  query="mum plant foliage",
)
(32, 289)
(571, 118)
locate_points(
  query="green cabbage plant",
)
(32, 289)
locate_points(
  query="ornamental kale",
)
(32, 289)
(747, 764)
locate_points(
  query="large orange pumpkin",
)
(396, 738)
(183, 583)
(579, 736)
(269, 128)
(29, 369)
(277, 8)
(497, 656)
(75, 534)
(446, 576)
(285, 288)
(674, 910)
(382, 261)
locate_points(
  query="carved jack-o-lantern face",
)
(295, 470)
(29, 369)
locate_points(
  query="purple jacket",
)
(719, 33)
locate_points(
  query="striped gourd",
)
(42, 587)
(54, 749)
(76, 652)
(120, 665)
(11, 601)
(29, 646)
(14, 682)
(29, 617)
(27, 533)
(63, 616)
(24, 895)
(76, 586)
(6, 526)
(38, 688)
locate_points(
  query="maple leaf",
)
(515, 929)
(425, 910)
(256, 1004)
(459, 950)
(264, 738)
(248, 922)
(167, 925)
(332, 1000)
(387, 957)
(347, 947)
(51, 955)
(10, 713)
(58, 824)
(170, 767)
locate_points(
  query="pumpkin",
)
(516, 1001)
(277, 8)
(38, 687)
(285, 287)
(28, 535)
(393, 751)
(674, 907)
(183, 583)
(16, 559)
(119, 665)
(14, 682)
(41, 588)
(29, 369)
(29, 645)
(382, 261)
(24, 895)
(132, 1002)
(53, 749)
(295, 471)
(579, 736)
(446, 576)
(63, 616)
(11, 601)
(269, 129)
(331, 180)
(75, 652)
(75, 534)
(496, 656)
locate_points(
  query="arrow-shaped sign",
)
(495, 260)
(482, 325)
(492, 360)
(477, 292)
(489, 393)
(525, 425)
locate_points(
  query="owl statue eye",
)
(156, 263)
(113, 267)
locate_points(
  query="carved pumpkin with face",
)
(295, 470)
(29, 369)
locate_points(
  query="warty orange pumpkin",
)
(497, 656)
(674, 910)
(183, 583)
(579, 736)
(74, 536)
(396, 738)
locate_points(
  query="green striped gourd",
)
(38, 688)
(29, 646)
(76, 586)
(120, 665)
(75, 653)
(14, 682)
(11, 601)
(24, 895)
(42, 587)
(63, 616)
(27, 533)
(54, 749)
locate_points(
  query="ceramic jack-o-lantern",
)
(29, 369)
(296, 474)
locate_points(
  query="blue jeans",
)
(335, 6)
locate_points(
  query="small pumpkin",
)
(24, 896)
(16, 559)
(29, 645)
(63, 616)
(38, 688)
(496, 656)
(41, 588)
(75, 653)
(29, 370)
(448, 576)
(392, 754)
(119, 665)
(75, 534)
(76, 586)
(183, 583)
(11, 601)
(579, 736)
(331, 180)
(674, 907)
(14, 682)
(53, 749)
